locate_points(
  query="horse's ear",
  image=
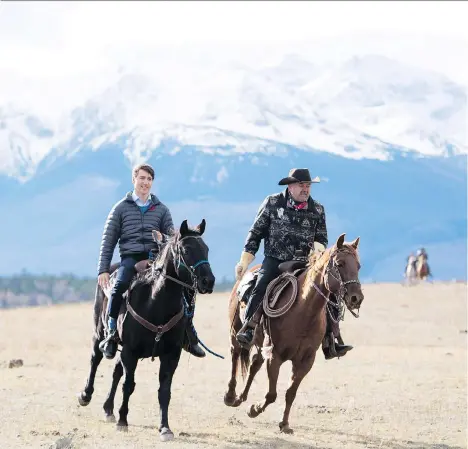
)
(340, 241)
(201, 227)
(355, 243)
(184, 228)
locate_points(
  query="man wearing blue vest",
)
(130, 223)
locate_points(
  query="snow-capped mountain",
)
(358, 109)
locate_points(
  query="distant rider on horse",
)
(131, 223)
(290, 223)
(411, 259)
(422, 252)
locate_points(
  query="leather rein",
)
(332, 269)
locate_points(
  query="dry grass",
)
(403, 386)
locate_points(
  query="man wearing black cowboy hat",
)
(290, 222)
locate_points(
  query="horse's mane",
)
(318, 261)
(160, 260)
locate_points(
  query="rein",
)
(332, 269)
(178, 256)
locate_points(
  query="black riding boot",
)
(191, 341)
(245, 337)
(332, 349)
(246, 334)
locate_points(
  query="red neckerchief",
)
(296, 206)
(300, 205)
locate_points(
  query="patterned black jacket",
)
(286, 230)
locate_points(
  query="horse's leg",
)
(109, 404)
(230, 396)
(129, 362)
(84, 398)
(273, 367)
(256, 364)
(167, 369)
(299, 370)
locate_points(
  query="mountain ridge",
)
(363, 108)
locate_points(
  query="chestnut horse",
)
(297, 334)
(422, 268)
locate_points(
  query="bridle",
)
(179, 261)
(332, 270)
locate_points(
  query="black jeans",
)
(268, 271)
(124, 277)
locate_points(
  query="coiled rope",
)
(273, 292)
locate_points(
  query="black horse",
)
(153, 321)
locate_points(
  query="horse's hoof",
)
(122, 427)
(229, 399)
(253, 413)
(82, 401)
(232, 401)
(284, 428)
(237, 402)
(110, 418)
(166, 434)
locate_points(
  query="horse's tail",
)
(244, 362)
(97, 310)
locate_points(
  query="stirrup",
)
(248, 324)
(109, 345)
(242, 338)
(110, 333)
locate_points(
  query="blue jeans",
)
(124, 277)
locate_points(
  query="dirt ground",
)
(404, 385)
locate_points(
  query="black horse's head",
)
(191, 258)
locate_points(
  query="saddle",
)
(247, 283)
(292, 266)
(140, 267)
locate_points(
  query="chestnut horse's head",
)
(341, 272)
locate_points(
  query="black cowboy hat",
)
(298, 175)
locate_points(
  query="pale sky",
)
(51, 40)
(53, 24)
(31, 32)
